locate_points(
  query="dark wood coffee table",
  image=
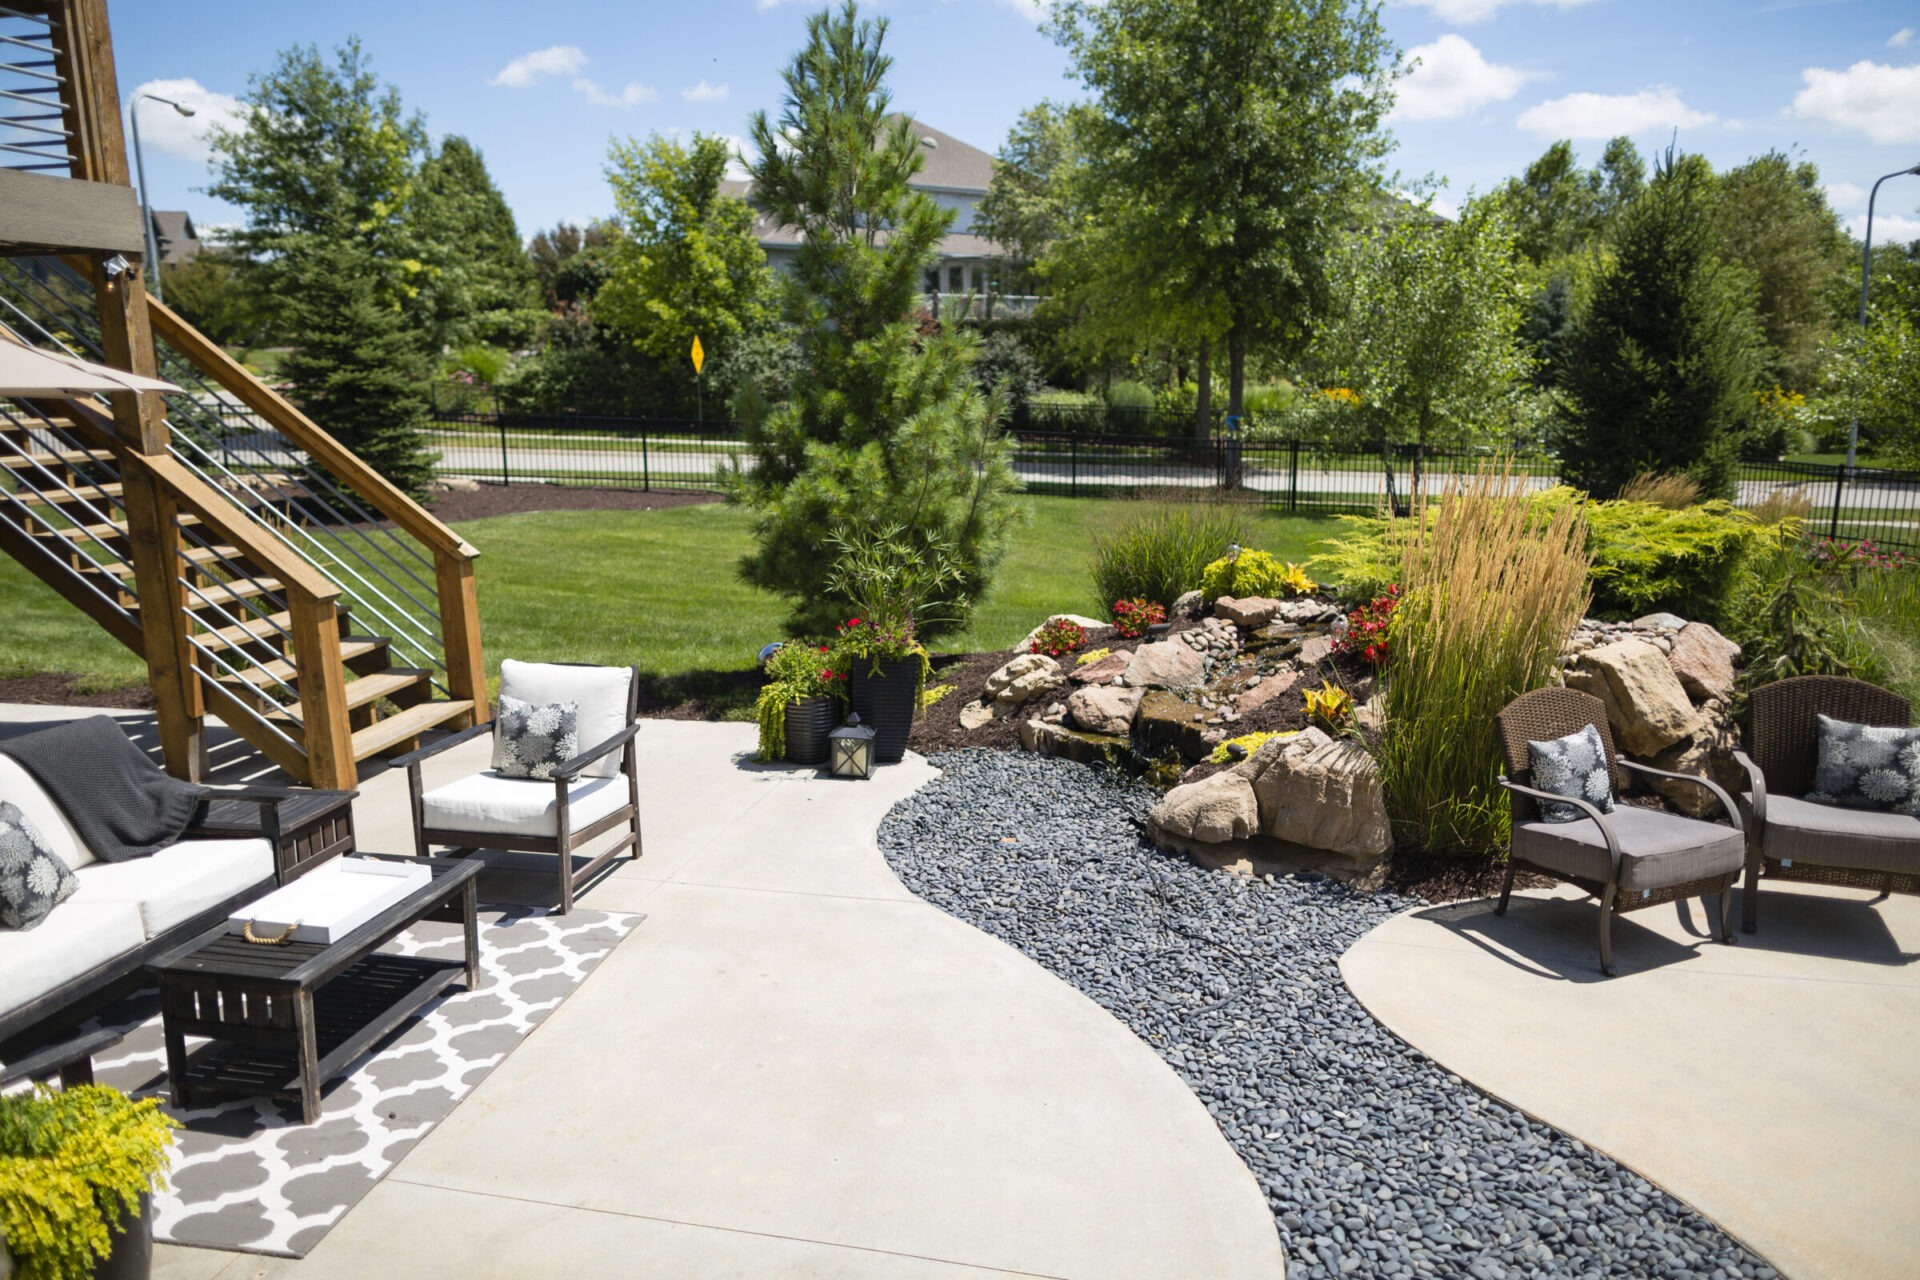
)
(284, 1020)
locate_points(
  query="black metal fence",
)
(1292, 475)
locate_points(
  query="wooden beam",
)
(460, 635)
(323, 693)
(90, 99)
(40, 213)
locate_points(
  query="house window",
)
(956, 279)
(933, 280)
(978, 283)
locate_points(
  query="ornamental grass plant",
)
(1160, 553)
(1492, 586)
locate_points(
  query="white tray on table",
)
(330, 901)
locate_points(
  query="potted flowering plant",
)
(77, 1167)
(800, 702)
(892, 588)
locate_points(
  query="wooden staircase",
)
(292, 592)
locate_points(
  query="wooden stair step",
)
(368, 689)
(196, 556)
(270, 629)
(396, 730)
(220, 595)
(10, 447)
(88, 492)
(283, 669)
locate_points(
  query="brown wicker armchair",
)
(1793, 839)
(1628, 859)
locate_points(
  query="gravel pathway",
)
(1375, 1160)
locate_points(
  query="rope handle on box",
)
(285, 936)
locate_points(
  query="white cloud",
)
(634, 94)
(704, 92)
(1032, 10)
(1605, 115)
(1888, 228)
(530, 68)
(1452, 78)
(1462, 13)
(165, 130)
(1845, 195)
(1880, 101)
(1901, 38)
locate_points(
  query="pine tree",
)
(1660, 373)
(358, 370)
(884, 427)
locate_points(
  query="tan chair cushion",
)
(1657, 848)
(1832, 836)
(487, 804)
(180, 881)
(599, 694)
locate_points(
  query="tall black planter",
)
(884, 697)
(809, 721)
(131, 1257)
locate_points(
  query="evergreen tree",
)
(884, 428)
(357, 370)
(1659, 374)
(479, 283)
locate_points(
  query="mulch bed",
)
(51, 689)
(456, 505)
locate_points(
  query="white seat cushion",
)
(181, 880)
(488, 804)
(600, 692)
(74, 938)
(17, 785)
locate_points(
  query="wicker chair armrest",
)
(412, 758)
(570, 769)
(1756, 784)
(1586, 810)
(1719, 792)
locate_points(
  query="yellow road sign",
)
(699, 354)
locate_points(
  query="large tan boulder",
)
(1702, 659)
(1103, 708)
(1705, 753)
(1216, 808)
(1025, 678)
(1165, 664)
(1646, 704)
(1102, 670)
(1276, 685)
(1315, 791)
(1251, 612)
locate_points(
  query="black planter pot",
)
(808, 723)
(883, 694)
(131, 1257)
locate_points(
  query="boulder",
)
(1221, 807)
(1104, 709)
(1315, 650)
(1166, 722)
(1251, 612)
(1269, 688)
(1027, 677)
(1187, 606)
(1706, 753)
(1103, 670)
(1165, 664)
(978, 714)
(1659, 622)
(1071, 744)
(1646, 704)
(1026, 646)
(1306, 610)
(1703, 660)
(1320, 793)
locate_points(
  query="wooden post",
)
(460, 634)
(323, 690)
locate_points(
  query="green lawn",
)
(655, 588)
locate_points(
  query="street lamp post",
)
(139, 164)
(1866, 268)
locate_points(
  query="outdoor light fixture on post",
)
(850, 749)
(1866, 270)
(140, 165)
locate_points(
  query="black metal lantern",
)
(850, 749)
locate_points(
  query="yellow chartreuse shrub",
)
(1251, 741)
(1329, 706)
(1092, 655)
(1253, 573)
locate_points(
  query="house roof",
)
(178, 242)
(950, 164)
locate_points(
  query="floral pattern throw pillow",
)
(1865, 766)
(531, 740)
(1575, 765)
(33, 879)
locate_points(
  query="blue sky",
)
(542, 89)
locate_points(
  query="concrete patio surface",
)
(1772, 1084)
(792, 1068)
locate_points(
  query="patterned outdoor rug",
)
(248, 1175)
